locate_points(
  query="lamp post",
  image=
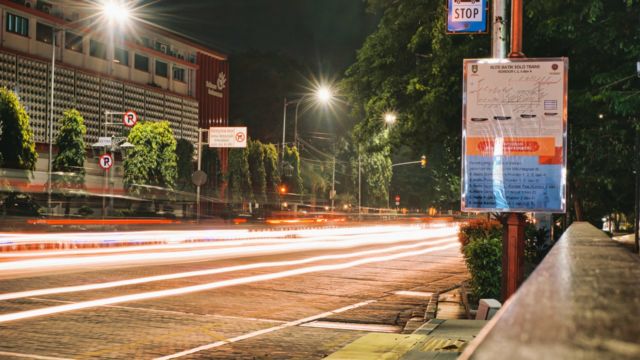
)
(323, 95)
(114, 12)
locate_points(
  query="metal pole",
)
(637, 199)
(333, 179)
(284, 129)
(295, 126)
(498, 33)
(516, 29)
(53, 72)
(200, 131)
(359, 184)
(513, 238)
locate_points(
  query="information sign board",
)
(514, 135)
(228, 137)
(467, 16)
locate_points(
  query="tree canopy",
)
(17, 144)
(71, 150)
(152, 161)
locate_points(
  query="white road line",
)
(264, 331)
(353, 326)
(413, 293)
(213, 285)
(181, 275)
(31, 356)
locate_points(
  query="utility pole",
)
(359, 185)
(498, 33)
(513, 237)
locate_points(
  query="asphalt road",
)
(283, 295)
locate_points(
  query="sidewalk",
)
(443, 337)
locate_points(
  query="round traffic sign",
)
(240, 137)
(130, 118)
(199, 178)
(106, 161)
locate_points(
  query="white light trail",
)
(148, 279)
(210, 254)
(213, 285)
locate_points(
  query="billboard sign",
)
(514, 135)
(467, 16)
(228, 137)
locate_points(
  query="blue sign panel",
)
(467, 16)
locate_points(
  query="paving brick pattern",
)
(158, 327)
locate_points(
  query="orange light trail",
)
(112, 284)
(212, 285)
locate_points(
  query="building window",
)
(141, 63)
(178, 74)
(44, 33)
(73, 41)
(162, 69)
(97, 49)
(121, 56)
(17, 24)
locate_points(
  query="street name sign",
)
(105, 161)
(130, 118)
(514, 135)
(467, 16)
(228, 137)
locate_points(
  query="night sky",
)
(322, 34)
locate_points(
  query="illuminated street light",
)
(390, 118)
(324, 94)
(115, 11)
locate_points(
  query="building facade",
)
(103, 68)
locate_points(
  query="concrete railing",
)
(582, 302)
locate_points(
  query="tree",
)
(211, 165)
(272, 173)
(238, 176)
(68, 163)
(184, 159)
(152, 161)
(257, 169)
(292, 158)
(17, 145)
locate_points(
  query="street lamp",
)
(323, 95)
(390, 118)
(112, 11)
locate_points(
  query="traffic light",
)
(423, 161)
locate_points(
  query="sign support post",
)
(513, 237)
(200, 133)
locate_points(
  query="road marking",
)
(213, 285)
(264, 331)
(413, 293)
(31, 356)
(136, 281)
(354, 326)
(217, 316)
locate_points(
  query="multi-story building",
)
(104, 68)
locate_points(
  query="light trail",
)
(273, 237)
(210, 286)
(210, 254)
(177, 236)
(148, 279)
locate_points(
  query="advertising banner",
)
(514, 135)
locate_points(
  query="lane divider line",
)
(148, 279)
(210, 286)
(264, 331)
(31, 356)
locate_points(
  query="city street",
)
(299, 294)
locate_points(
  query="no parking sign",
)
(130, 118)
(106, 161)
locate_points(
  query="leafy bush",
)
(479, 229)
(483, 257)
(536, 246)
(85, 211)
